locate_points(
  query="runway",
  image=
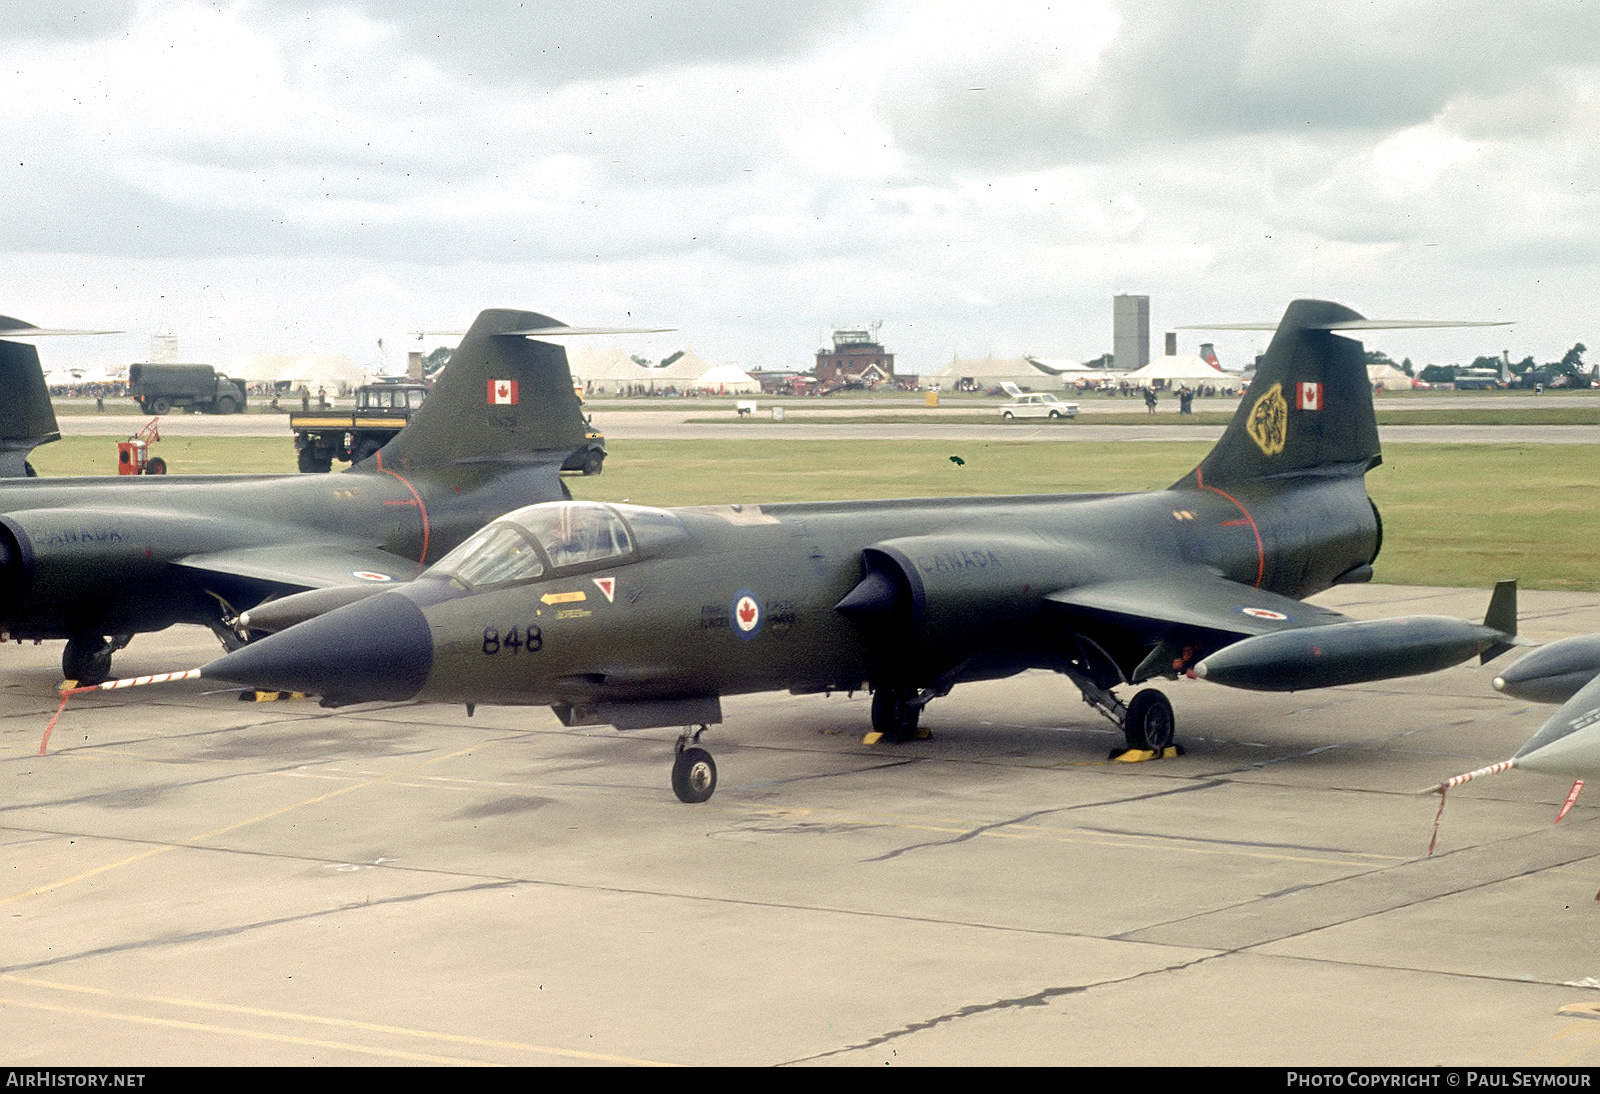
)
(193, 880)
(687, 420)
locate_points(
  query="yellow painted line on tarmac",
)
(193, 841)
(1585, 1029)
(256, 1035)
(310, 1019)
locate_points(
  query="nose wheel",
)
(694, 772)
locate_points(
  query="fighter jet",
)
(639, 617)
(98, 560)
(1565, 672)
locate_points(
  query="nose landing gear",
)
(694, 772)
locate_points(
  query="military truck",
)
(162, 388)
(382, 410)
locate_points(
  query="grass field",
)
(1453, 514)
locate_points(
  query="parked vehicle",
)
(1042, 404)
(159, 389)
(382, 410)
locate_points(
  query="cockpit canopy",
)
(556, 536)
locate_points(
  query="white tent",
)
(332, 372)
(1388, 378)
(684, 370)
(982, 373)
(608, 372)
(726, 380)
(1184, 368)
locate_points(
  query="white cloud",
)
(976, 175)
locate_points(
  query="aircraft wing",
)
(1183, 607)
(304, 565)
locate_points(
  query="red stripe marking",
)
(1261, 554)
(423, 509)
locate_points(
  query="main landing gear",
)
(87, 658)
(895, 711)
(1147, 723)
(694, 772)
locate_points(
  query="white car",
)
(1039, 405)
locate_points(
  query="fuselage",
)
(725, 600)
(121, 556)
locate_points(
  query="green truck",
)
(160, 388)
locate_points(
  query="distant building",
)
(1130, 331)
(857, 357)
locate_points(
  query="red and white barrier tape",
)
(112, 685)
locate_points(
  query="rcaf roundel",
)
(1264, 613)
(746, 614)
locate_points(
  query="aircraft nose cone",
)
(375, 649)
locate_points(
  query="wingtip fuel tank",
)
(1357, 652)
(1361, 651)
(1552, 673)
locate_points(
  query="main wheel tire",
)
(894, 714)
(694, 775)
(87, 660)
(1150, 723)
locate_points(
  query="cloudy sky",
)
(981, 177)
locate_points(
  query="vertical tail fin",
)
(1309, 406)
(501, 397)
(27, 419)
(1501, 616)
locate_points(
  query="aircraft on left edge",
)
(97, 560)
(26, 418)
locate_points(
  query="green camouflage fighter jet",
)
(97, 560)
(639, 617)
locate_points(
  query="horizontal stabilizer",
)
(16, 328)
(1360, 324)
(549, 332)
